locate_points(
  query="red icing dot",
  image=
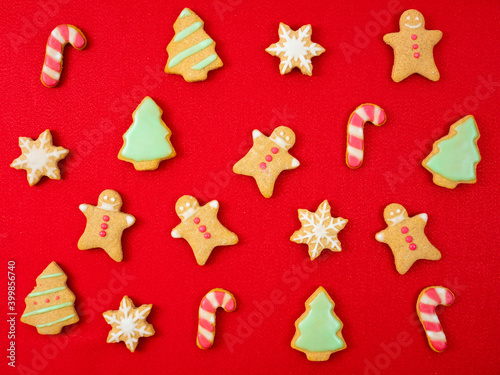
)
(102, 233)
(196, 220)
(274, 150)
(413, 246)
(202, 228)
(57, 297)
(404, 230)
(416, 55)
(105, 218)
(415, 46)
(269, 157)
(262, 165)
(47, 300)
(414, 37)
(409, 239)
(34, 302)
(207, 235)
(104, 226)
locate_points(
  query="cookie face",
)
(406, 238)
(39, 158)
(50, 306)
(413, 47)
(201, 228)
(295, 49)
(454, 158)
(105, 225)
(147, 141)
(191, 53)
(318, 331)
(319, 230)
(129, 323)
(267, 158)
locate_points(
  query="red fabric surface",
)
(212, 124)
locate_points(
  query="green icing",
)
(185, 12)
(458, 155)
(47, 309)
(51, 275)
(203, 63)
(181, 35)
(145, 139)
(189, 51)
(67, 317)
(318, 330)
(48, 291)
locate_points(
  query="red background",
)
(212, 123)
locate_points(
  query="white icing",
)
(376, 114)
(413, 26)
(207, 315)
(113, 199)
(282, 134)
(51, 73)
(208, 335)
(429, 317)
(295, 163)
(72, 34)
(83, 207)
(355, 131)
(130, 220)
(211, 297)
(436, 336)
(442, 294)
(256, 133)
(279, 141)
(424, 217)
(56, 34)
(105, 197)
(398, 219)
(428, 301)
(55, 55)
(355, 152)
(380, 237)
(361, 113)
(107, 206)
(226, 299)
(175, 233)
(188, 213)
(214, 204)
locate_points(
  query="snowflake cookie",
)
(129, 323)
(319, 230)
(39, 158)
(295, 49)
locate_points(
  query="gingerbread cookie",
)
(267, 158)
(319, 330)
(413, 46)
(50, 306)
(191, 53)
(39, 158)
(201, 228)
(128, 323)
(295, 49)
(206, 322)
(105, 225)
(319, 230)
(147, 141)
(59, 37)
(454, 158)
(406, 238)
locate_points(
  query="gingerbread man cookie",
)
(105, 225)
(413, 46)
(267, 158)
(406, 238)
(201, 228)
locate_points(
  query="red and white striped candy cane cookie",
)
(206, 324)
(355, 145)
(59, 37)
(427, 301)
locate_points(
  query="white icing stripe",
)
(280, 142)
(72, 35)
(226, 299)
(56, 55)
(208, 335)
(436, 336)
(376, 114)
(433, 318)
(355, 152)
(442, 294)
(355, 131)
(206, 315)
(211, 297)
(51, 73)
(361, 113)
(428, 301)
(295, 163)
(56, 34)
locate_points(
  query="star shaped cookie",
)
(129, 323)
(319, 230)
(295, 49)
(39, 158)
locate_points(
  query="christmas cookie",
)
(147, 141)
(105, 225)
(413, 46)
(39, 158)
(406, 238)
(295, 49)
(59, 37)
(355, 138)
(427, 301)
(50, 306)
(319, 230)
(267, 158)
(201, 228)
(454, 158)
(206, 322)
(191, 53)
(319, 330)
(128, 323)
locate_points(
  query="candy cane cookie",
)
(427, 301)
(59, 37)
(364, 113)
(206, 324)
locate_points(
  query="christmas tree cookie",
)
(147, 141)
(319, 330)
(191, 53)
(454, 158)
(50, 306)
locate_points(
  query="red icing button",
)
(202, 228)
(414, 37)
(105, 217)
(274, 150)
(104, 226)
(207, 235)
(413, 246)
(404, 230)
(47, 300)
(262, 165)
(57, 297)
(34, 303)
(415, 46)
(196, 220)
(409, 239)
(416, 55)
(269, 157)
(102, 233)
